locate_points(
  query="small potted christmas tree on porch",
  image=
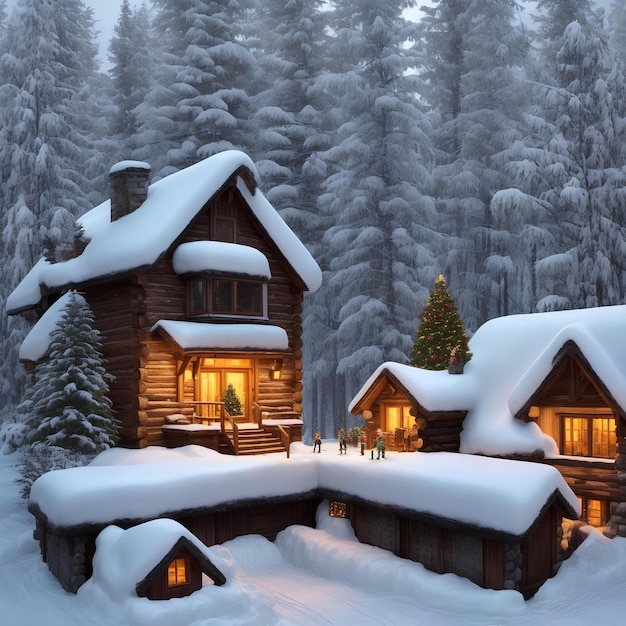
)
(232, 404)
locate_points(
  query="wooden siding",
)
(539, 553)
(159, 588)
(144, 364)
(116, 307)
(589, 479)
(69, 553)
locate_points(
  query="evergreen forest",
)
(484, 141)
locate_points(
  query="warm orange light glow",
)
(177, 573)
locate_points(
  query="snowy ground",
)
(307, 577)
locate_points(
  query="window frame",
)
(179, 580)
(564, 417)
(207, 292)
(604, 510)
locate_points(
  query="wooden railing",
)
(285, 438)
(234, 427)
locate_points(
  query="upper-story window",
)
(226, 296)
(587, 435)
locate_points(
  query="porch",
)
(271, 429)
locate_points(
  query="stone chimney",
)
(129, 187)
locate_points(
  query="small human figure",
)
(379, 443)
(362, 442)
(343, 447)
(317, 443)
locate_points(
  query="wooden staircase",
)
(254, 441)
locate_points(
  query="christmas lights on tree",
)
(441, 339)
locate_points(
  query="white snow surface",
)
(139, 239)
(125, 557)
(218, 256)
(190, 335)
(37, 342)
(512, 356)
(499, 494)
(311, 577)
(120, 166)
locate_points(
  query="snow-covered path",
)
(302, 597)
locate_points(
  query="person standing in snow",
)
(379, 443)
(343, 447)
(317, 443)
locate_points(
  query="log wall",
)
(144, 364)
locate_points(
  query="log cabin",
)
(196, 283)
(498, 522)
(547, 387)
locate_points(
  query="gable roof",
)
(513, 356)
(127, 559)
(138, 240)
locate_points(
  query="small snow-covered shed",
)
(158, 560)
(547, 386)
(195, 283)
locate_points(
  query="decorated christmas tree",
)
(441, 338)
(232, 404)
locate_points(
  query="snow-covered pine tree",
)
(130, 52)
(585, 139)
(377, 193)
(198, 102)
(471, 57)
(48, 58)
(292, 121)
(288, 113)
(441, 335)
(552, 18)
(66, 402)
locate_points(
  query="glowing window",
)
(589, 436)
(337, 509)
(594, 512)
(177, 572)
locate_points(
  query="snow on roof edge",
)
(511, 493)
(158, 226)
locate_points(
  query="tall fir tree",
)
(576, 160)
(441, 338)
(66, 404)
(376, 193)
(198, 102)
(471, 60)
(49, 58)
(130, 53)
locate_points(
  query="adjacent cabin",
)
(158, 560)
(549, 387)
(196, 283)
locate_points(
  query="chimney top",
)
(129, 187)
(129, 165)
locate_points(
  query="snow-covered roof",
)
(37, 342)
(221, 257)
(139, 239)
(513, 355)
(124, 558)
(199, 336)
(502, 495)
